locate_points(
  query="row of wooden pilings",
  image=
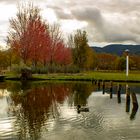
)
(130, 95)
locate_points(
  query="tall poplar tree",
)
(83, 55)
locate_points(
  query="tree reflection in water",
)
(31, 107)
(34, 104)
(81, 93)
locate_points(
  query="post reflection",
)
(135, 106)
(103, 85)
(134, 102)
(111, 90)
(127, 99)
(38, 108)
(119, 93)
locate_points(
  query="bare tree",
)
(56, 37)
(18, 27)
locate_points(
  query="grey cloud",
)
(118, 36)
(60, 12)
(61, 15)
(127, 30)
(89, 14)
(100, 27)
(104, 30)
(100, 15)
(125, 6)
(55, 8)
(115, 6)
(110, 32)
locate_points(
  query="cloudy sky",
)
(106, 21)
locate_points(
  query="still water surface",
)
(48, 111)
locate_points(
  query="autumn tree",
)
(106, 61)
(4, 63)
(56, 38)
(7, 58)
(62, 55)
(79, 52)
(82, 53)
(91, 59)
(133, 62)
(18, 28)
(121, 63)
(46, 43)
(136, 62)
(58, 52)
(36, 41)
(39, 41)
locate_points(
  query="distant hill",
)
(118, 49)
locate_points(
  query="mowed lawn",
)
(116, 76)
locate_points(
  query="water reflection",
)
(119, 93)
(119, 90)
(103, 87)
(81, 93)
(135, 106)
(134, 102)
(35, 110)
(32, 108)
(127, 99)
(111, 90)
(33, 104)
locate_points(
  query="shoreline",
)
(91, 77)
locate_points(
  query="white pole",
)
(127, 65)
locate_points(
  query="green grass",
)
(114, 76)
(84, 76)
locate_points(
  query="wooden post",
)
(119, 93)
(111, 90)
(99, 84)
(103, 87)
(95, 82)
(127, 99)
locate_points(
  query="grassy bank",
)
(88, 76)
(84, 76)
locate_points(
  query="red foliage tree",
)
(106, 61)
(39, 40)
(34, 40)
(18, 29)
(63, 54)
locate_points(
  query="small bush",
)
(39, 70)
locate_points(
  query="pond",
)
(49, 111)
